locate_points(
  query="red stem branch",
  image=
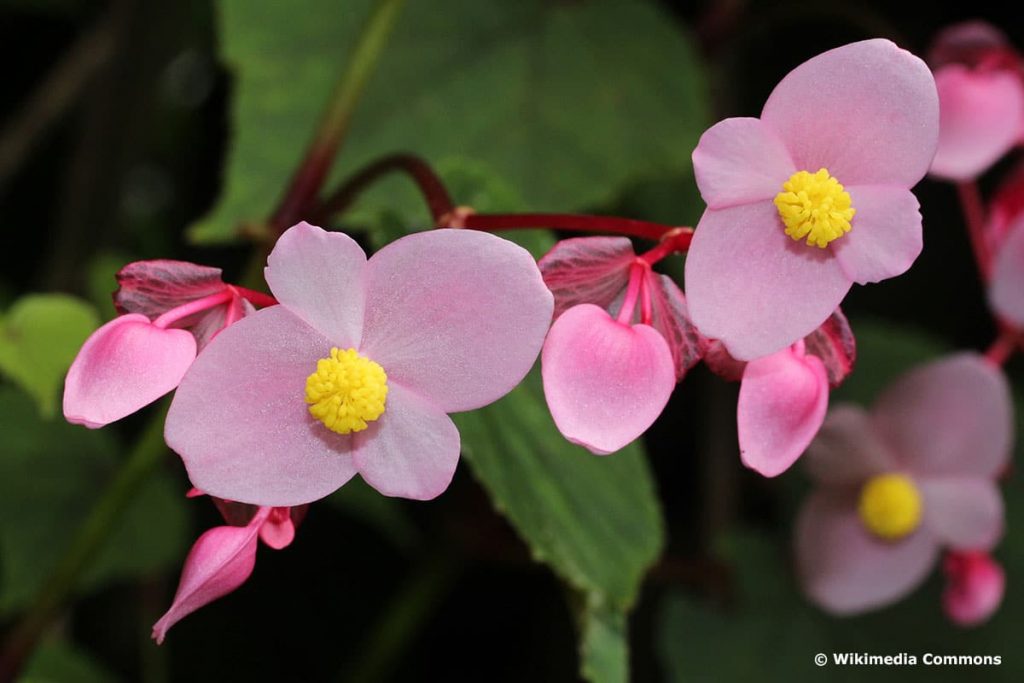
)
(974, 214)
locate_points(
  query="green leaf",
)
(51, 473)
(594, 520)
(62, 662)
(39, 337)
(568, 102)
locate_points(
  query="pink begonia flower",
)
(915, 474)
(223, 558)
(357, 367)
(811, 197)
(975, 584)
(169, 311)
(621, 340)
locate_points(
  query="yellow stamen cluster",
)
(815, 206)
(890, 506)
(346, 391)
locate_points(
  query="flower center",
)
(815, 206)
(346, 391)
(890, 506)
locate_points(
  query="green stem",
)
(89, 540)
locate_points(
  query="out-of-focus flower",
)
(975, 584)
(1004, 239)
(621, 340)
(811, 197)
(896, 484)
(357, 367)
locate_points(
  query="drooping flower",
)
(1004, 233)
(169, 311)
(811, 197)
(357, 367)
(621, 340)
(975, 584)
(897, 484)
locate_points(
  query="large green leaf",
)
(566, 101)
(51, 473)
(594, 520)
(39, 337)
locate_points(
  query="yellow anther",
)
(890, 506)
(815, 206)
(346, 391)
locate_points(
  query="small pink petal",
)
(1006, 291)
(411, 451)
(833, 342)
(975, 585)
(124, 365)
(980, 119)
(739, 161)
(605, 382)
(320, 276)
(752, 287)
(457, 316)
(240, 422)
(155, 287)
(278, 531)
(846, 450)
(219, 562)
(953, 416)
(886, 236)
(587, 270)
(670, 316)
(782, 403)
(843, 568)
(868, 112)
(964, 513)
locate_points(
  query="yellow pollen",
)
(815, 206)
(346, 391)
(890, 506)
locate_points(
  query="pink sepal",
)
(587, 270)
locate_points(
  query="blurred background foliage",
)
(133, 129)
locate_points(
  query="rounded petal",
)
(782, 403)
(1006, 291)
(457, 316)
(739, 161)
(605, 382)
(124, 365)
(886, 237)
(868, 112)
(279, 530)
(320, 276)
(964, 513)
(754, 288)
(240, 422)
(953, 416)
(411, 451)
(843, 568)
(980, 114)
(846, 450)
(975, 585)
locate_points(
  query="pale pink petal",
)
(980, 119)
(1006, 291)
(154, 287)
(975, 585)
(605, 382)
(843, 568)
(240, 422)
(124, 365)
(219, 562)
(964, 513)
(457, 316)
(411, 451)
(782, 403)
(587, 270)
(739, 161)
(754, 288)
(670, 316)
(953, 416)
(846, 449)
(833, 342)
(320, 276)
(886, 236)
(868, 112)
(278, 531)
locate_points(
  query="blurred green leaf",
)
(39, 337)
(568, 102)
(51, 473)
(61, 662)
(594, 520)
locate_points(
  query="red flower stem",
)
(570, 222)
(637, 272)
(192, 307)
(974, 214)
(255, 298)
(1003, 347)
(676, 241)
